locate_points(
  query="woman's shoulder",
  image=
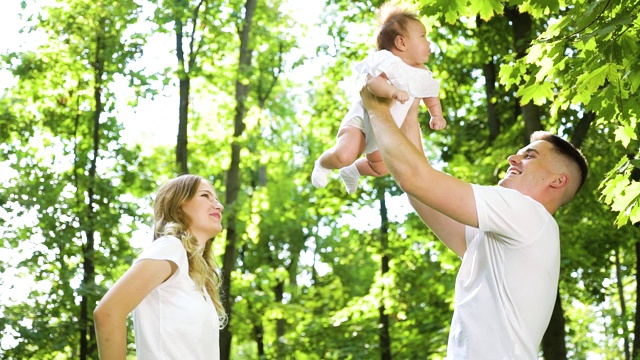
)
(165, 248)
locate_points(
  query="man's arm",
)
(413, 172)
(449, 231)
(436, 190)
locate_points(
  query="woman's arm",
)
(111, 314)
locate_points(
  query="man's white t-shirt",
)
(176, 321)
(507, 283)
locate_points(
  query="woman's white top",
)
(176, 321)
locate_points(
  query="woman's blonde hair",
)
(393, 21)
(171, 220)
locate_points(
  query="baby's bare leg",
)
(372, 165)
(349, 147)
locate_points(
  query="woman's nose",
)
(513, 159)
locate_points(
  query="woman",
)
(172, 288)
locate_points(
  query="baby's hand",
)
(437, 122)
(401, 95)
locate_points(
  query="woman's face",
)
(205, 213)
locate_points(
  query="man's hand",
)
(373, 103)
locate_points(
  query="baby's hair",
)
(394, 21)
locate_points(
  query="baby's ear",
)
(400, 43)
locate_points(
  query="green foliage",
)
(587, 56)
(72, 225)
(308, 282)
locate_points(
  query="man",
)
(506, 235)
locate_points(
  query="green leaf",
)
(546, 66)
(591, 80)
(627, 203)
(487, 8)
(634, 214)
(614, 187)
(633, 78)
(540, 7)
(538, 93)
(625, 134)
(629, 196)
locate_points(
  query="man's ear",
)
(400, 43)
(560, 181)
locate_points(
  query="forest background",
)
(249, 93)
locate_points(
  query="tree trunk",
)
(385, 339)
(88, 280)
(489, 72)
(280, 322)
(553, 344)
(531, 117)
(623, 304)
(636, 318)
(635, 176)
(522, 26)
(581, 129)
(183, 106)
(233, 176)
(258, 334)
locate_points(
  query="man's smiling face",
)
(531, 169)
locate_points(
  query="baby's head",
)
(394, 21)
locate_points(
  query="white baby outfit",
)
(419, 83)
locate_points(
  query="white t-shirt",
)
(176, 321)
(507, 284)
(419, 83)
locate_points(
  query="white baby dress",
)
(419, 83)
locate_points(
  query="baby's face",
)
(418, 47)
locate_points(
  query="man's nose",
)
(513, 159)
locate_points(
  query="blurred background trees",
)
(254, 91)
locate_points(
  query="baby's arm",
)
(379, 86)
(437, 121)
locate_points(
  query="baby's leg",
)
(349, 147)
(372, 165)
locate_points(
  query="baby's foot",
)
(319, 175)
(350, 176)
